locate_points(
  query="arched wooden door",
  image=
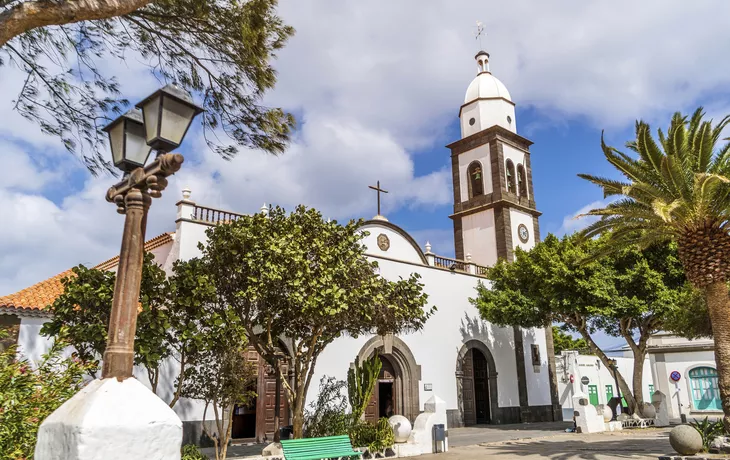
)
(475, 388)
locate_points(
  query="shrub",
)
(191, 452)
(709, 430)
(327, 415)
(376, 437)
(29, 394)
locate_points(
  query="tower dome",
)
(487, 101)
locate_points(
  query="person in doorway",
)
(389, 409)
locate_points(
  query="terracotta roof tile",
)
(42, 294)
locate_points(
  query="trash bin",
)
(439, 438)
(285, 432)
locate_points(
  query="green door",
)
(705, 389)
(651, 391)
(609, 392)
(593, 394)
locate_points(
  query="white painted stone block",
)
(614, 426)
(587, 419)
(111, 420)
(422, 433)
(659, 401)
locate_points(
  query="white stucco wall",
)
(679, 393)
(487, 113)
(400, 248)
(538, 383)
(480, 238)
(480, 154)
(31, 344)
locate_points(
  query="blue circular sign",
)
(675, 376)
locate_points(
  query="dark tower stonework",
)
(494, 205)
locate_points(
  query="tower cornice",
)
(485, 136)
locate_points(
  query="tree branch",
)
(26, 16)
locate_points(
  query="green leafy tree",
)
(564, 341)
(220, 50)
(300, 277)
(361, 382)
(81, 316)
(221, 376)
(678, 189)
(630, 294)
(30, 392)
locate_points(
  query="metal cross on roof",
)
(379, 190)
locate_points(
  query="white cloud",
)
(573, 223)
(373, 83)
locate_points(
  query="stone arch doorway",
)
(398, 380)
(476, 383)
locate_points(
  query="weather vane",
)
(479, 33)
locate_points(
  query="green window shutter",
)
(609, 392)
(593, 394)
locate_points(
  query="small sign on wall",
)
(428, 387)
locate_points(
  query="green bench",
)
(318, 448)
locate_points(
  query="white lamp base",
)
(111, 420)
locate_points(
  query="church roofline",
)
(401, 232)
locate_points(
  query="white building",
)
(695, 395)
(486, 374)
(601, 386)
(697, 392)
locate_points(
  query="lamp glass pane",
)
(116, 141)
(137, 148)
(176, 118)
(151, 110)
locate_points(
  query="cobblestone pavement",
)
(628, 444)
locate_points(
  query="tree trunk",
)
(298, 419)
(26, 16)
(638, 380)
(623, 386)
(718, 304)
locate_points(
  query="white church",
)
(485, 374)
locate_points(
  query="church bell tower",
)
(494, 204)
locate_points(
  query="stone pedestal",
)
(659, 401)
(111, 420)
(587, 420)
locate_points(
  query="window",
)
(11, 325)
(510, 167)
(609, 392)
(705, 389)
(535, 355)
(521, 182)
(476, 179)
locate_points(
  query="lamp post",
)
(619, 407)
(160, 121)
(117, 417)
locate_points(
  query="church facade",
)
(485, 374)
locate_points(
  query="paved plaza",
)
(533, 441)
(634, 444)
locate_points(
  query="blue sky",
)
(376, 87)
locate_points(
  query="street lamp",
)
(167, 115)
(127, 141)
(160, 122)
(619, 407)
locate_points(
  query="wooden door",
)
(467, 389)
(266, 400)
(481, 387)
(371, 410)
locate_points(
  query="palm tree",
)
(678, 189)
